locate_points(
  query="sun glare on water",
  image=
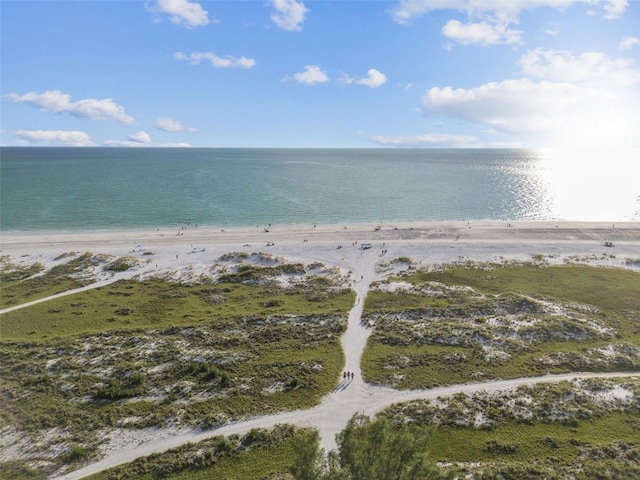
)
(603, 182)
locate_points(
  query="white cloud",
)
(182, 12)
(614, 8)
(374, 79)
(489, 20)
(312, 74)
(483, 33)
(510, 106)
(56, 137)
(628, 42)
(169, 125)
(406, 10)
(592, 68)
(57, 102)
(140, 137)
(288, 14)
(134, 144)
(428, 140)
(229, 61)
(544, 113)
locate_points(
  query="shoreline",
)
(490, 230)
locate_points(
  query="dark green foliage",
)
(367, 449)
(308, 457)
(120, 265)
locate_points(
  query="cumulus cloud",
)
(593, 68)
(628, 42)
(312, 75)
(374, 79)
(181, 12)
(428, 140)
(288, 14)
(229, 61)
(169, 125)
(511, 106)
(140, 137)
(614, 8)
(56, 138)
(483, 33)
(489, 21)
(543, 112)
(57, 102)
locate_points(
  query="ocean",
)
(62, 189)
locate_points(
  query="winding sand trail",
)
(429, 244)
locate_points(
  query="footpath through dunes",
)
(424, 244)
(348, 397)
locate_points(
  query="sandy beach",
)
(190, 248)
(188, 251)
(408, 232)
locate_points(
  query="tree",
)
(308, 455)
(371, 449)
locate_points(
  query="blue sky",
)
(287, 73)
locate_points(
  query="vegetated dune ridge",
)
(186, 251)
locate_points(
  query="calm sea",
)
(112, 188)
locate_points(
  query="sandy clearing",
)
(425, 244)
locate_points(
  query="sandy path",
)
(330, 417)
(425, 244)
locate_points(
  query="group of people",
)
(348, 375)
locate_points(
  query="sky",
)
(291, 73)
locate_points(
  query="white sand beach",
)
(186, 252)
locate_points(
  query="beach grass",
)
(130, 304)
(580, 429)
(23, 283)
(138, 354)
(463, 323)
(565, 430)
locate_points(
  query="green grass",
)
(532, 442)
(547, 430)
(257, 455)
(140, 354)
(156, 304)
(424, 340)
(613, 290)
(17, 289)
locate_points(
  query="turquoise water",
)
(112, 188)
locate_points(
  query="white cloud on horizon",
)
(229, 61)
(288, 14)
(140, 137)
(169, 125)
(66, 138)
(374, 79)
(57, 102)
(184, 13)
(428, 140)
(544, 113)
(311, 75)
(132, 144)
